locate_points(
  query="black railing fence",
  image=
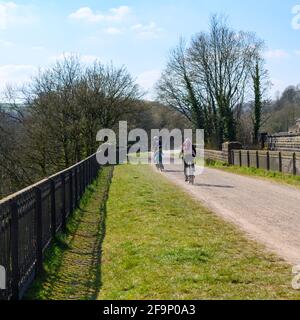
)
(30, 219)
(277, 161)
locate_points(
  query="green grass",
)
(161, 244)
(72, 264)
(259, 173)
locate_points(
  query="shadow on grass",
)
(98, 252)
(53, 275)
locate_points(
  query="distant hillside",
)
(153, 115)
(283, 112)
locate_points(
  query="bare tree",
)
(176, 87)
(207, 81)
(55, 123)
(222, 60)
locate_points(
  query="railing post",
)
(15, 249)
(71, 191)
(268, 161)
(87, 172)
(294, 164)
(85, 175)
(90, 166)
(39, 231)
(63, 209)
(76, 186)
(80, 180)
(248, 158)
(53, 209)
(280, 162)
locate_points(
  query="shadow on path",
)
(213, 186)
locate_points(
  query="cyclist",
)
(158, 153)
(188, 154)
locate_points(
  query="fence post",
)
(248, 158)
(76, 187)
(280, 161)
(257, 160)
(86, 173)
(240, 157)
(294, 164)
(53, 209)
(80, 180)
(83, 177)
(39, 231)
(268, 161)
(71, 191)
(90, 170)
(63, 214)
(15, 250)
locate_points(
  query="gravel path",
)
(268, 212)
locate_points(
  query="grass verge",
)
(161, 244)
(72, 264)
(260, 173)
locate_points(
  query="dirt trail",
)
(268, 212)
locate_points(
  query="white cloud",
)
(6, 12)
(113, 31)
(85, 58)
(278, 86)
(150, 30)
(112, 19)
(14, 74)
(38, 48)
(297, 52)
(277, 54)
(88, 15)
(4, 43)
(61, 56)
(14, 14)
(89, 59)
(147, 81)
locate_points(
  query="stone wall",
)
(284, 142)
(225, 155)
(216, 155)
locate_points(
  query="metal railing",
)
(277, 161)
(30, 219)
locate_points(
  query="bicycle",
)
(159, 161)
(190, 172)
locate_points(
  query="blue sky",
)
(137, 33)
